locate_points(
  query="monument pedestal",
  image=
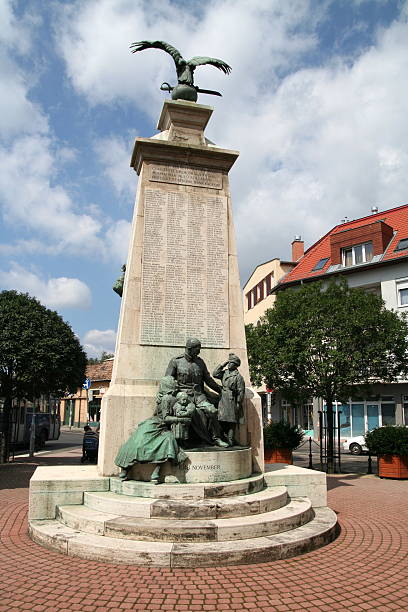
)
(203, 465)
(268, 517)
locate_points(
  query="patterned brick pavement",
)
(366, 568)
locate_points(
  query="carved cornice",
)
(151, 150)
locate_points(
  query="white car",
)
(355, 445)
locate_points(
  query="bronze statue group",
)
(187, 415)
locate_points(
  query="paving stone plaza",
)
(365, 568)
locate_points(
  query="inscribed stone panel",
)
(184, 269)
(186, 175)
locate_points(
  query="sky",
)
(316, 104)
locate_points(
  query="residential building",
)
(370, 253)
(258, 296)
(84, 406)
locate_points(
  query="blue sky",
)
(316, 104)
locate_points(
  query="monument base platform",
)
(250, 520)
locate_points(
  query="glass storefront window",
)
(388, 414)
(357, 413)
(372, 416)
(345, 424)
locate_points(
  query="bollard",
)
(370, 465)
(310, 466)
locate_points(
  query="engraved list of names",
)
(184, 269)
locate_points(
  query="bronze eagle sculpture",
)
(185, 68)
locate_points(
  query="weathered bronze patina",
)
(153, 441)
(231, 404)
(185, 90)
(118, 284)
(191, 373)
(186, 412)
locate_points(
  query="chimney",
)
(298, 248)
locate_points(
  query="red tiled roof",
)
(397, 218)
(100, 371)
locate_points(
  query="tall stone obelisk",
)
(182, 277)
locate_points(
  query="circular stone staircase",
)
(187, 525)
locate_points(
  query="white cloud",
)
(96, 341)
(30, 198)
(317, 143)
(57, 293)
(114, 154)
(331, 142)
(117, 239)
(17, 112)
(256, 38)
(16, 32)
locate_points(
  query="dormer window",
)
(357, 254)
(402, 245)
(321, 263)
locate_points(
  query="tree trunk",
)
(5, 447)
(330, 436)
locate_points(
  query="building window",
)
(403, 297)
(249, 301)
(406, 410)
(402, 245)
(402, 293)
(357, 254)
(321, 263)
(269, 281)
(388, 414)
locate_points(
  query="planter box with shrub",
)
(390, 444)
(280, 439)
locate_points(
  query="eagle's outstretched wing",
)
(157, 44)
(201, 61)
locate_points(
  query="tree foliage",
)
(323, 342)
(104, 356)
(280, 434)
(39, 352)
(388, 440)
(327, 342)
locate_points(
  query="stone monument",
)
(181, 277)
(154, 499)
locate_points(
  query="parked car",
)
(355, 445)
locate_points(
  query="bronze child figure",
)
(230, 407)
(184, 410)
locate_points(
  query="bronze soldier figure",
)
(191, 373)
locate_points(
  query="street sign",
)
(87, 383)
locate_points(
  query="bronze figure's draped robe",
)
(153, 441)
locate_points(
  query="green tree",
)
(324, 341)
(104, 356)
(39, 354)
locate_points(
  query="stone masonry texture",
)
(365, 569)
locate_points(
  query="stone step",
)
(297, 512)
(206, 490)
(58, 537)
(145, 507)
